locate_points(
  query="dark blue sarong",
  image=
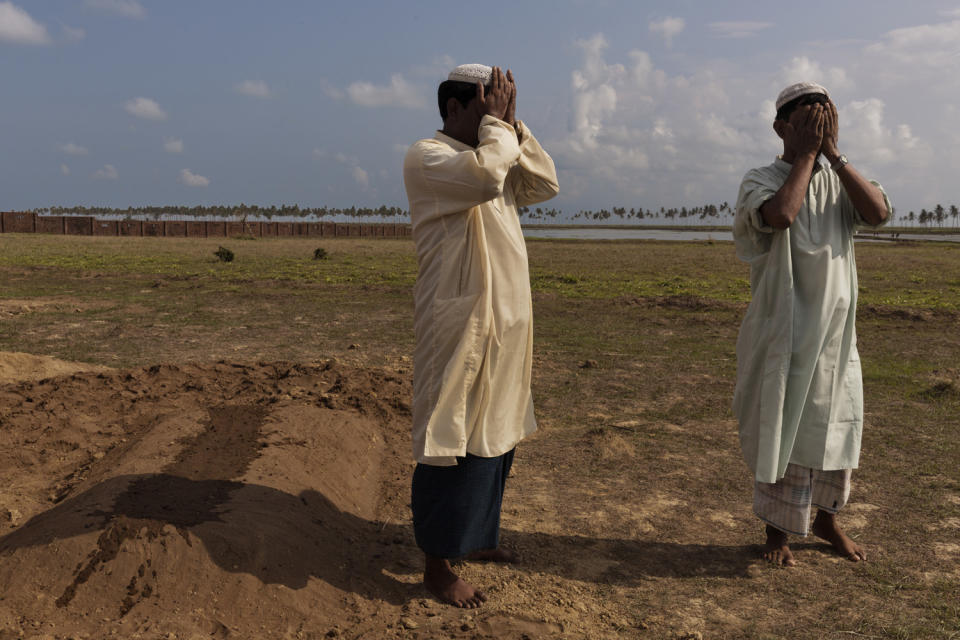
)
(456, 510)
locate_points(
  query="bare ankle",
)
(775, 536)
(825, 517)
(776, 550)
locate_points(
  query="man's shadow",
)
(287, 539)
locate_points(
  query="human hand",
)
(831, 131)
(804, 132)
(494, 101)
(509, 115)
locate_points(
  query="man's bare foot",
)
(776, 550)
(447, 587)
(825, 526)
(494, 555)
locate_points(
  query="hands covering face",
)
(831, 131)
(804, 131)
(500, 99)
(814, 129)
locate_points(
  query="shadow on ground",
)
(288, 539)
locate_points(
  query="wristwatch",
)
(840, 163)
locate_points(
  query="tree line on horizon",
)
(665, 213)
(938, 215)
(241, 211)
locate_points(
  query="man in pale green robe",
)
(799, 393)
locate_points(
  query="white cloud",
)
(360, 177)
(915, 127)
(18, 27)
(331, 91)
(359, 174)
(191, 179)
(738, 29)
(638, 132)
(917, 61)
(72, 149)
(803, 69)
(935, 46)
(254, 88)
(668, 28)
(145, 108)
(914, 172)
(73, 34)
(125, 8)
(399, 93)
(64, 169)
(865, 134)
(173, 145)
(595, 95)
(108, 172)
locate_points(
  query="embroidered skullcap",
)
(472, 73)
(799, 89)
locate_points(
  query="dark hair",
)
(784, 112)
(464, 92)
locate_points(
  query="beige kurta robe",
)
(473, 315)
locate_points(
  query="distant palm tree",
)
(939, 214)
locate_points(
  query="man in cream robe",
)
(472, 318)
(799, 394)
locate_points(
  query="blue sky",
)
(641, 104)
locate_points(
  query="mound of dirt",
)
(18, 367)
(907, 314)
(609, 447)
(685, 303)
(223, 500)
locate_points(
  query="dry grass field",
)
(237, 464)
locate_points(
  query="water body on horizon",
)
(694, 235)
(639, 232)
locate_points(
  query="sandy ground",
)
(186, 501)
(226, 500)
(23, 367)
(241, 496)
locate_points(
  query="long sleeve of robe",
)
(799, 392)
(473, 314)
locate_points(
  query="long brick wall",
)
(18, 222)
(26, 222)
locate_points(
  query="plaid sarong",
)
(786, 503)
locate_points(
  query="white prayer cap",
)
(472, 73)
(794, 91)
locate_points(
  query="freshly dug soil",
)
(223, 500)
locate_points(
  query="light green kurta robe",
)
(799, 392)
(473, 314)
